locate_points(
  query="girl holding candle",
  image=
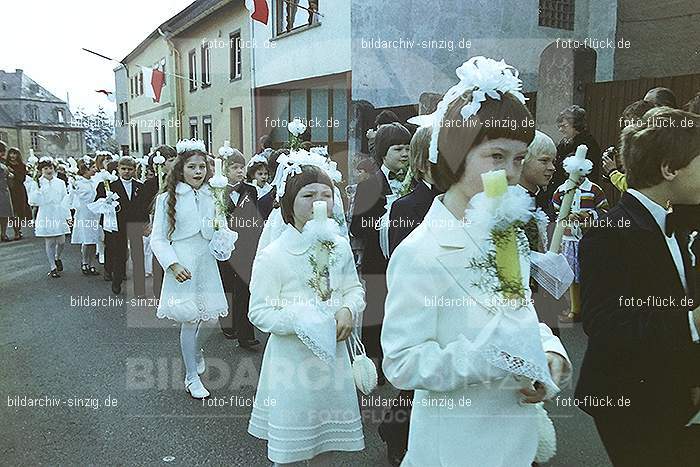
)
(307, 298)
(183, 225)
(52, 218)
(87, 229)
(588, 205)
(489, 350)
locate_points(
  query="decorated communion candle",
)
(320, 210)
(507, 257)
(495, 183)
(566, 203)
(218, 168)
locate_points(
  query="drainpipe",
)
(179, 112)
(254, 125)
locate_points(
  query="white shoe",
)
(201, 363)
(196, 389)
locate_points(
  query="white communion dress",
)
(202, 297)
(52, 199)
(304, 405)
(86, 224)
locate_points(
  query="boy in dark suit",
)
(391, 148)
(131, 220)
(243, 217)
(641, 371)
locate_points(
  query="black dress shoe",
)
(248, 343)
(59, 265)
(229, 335)
(116, 288)
(108, 276)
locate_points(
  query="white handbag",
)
(363, 370)
(547, 445)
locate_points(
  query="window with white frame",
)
(192, 60)
(295, 14)
(236, 63)
(206, 58)
(207, 132)
(194, 128)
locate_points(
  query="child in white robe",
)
(53, 216)
(183, 225)
(306, 403)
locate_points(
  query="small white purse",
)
(363, 370)
(547, 445)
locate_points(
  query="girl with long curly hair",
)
(182, 228)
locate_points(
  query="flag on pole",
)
(108, 94)
(259, 9)
(153, 80)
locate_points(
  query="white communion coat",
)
(201, 297)
(466, 411)
(86, 225)
(303, 406)
(53, 213)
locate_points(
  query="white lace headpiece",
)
(290, 165)
(190, 145)
(47, 159)
(256, 158)
(485, 77)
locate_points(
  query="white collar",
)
(183, 188)
(385, 171)
(126, 181)
(526, 190)
(657, 211)
(294, 241)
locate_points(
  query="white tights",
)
(88, 254)
(54, 248)
(192, 338)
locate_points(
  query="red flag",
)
(259, 9)
(157, 79)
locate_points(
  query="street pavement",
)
(109, 381)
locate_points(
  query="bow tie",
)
(684, 217)
(396, 176)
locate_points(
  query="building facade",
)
(302, 63)
(33, 118)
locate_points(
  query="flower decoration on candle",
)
(321, 232)
(320, 150)
(108, 205)
(226, 150)
(296, 127)
(32, 162)
(577, 166)
(158, 161)
(223, 241)
(500, 213)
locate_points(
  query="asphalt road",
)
(109, 381)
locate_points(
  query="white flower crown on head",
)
(257, 158)
(103, 153)
(47, 159)
(190, 145)
(484, 77)
(290, 165)
(86, 159)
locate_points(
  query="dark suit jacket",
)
(244, 218)
(130, 210)
(370, 199)
(642, 352)
(148, 193)
(266, 203)
(408, 212)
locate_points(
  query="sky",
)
(44, 38)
